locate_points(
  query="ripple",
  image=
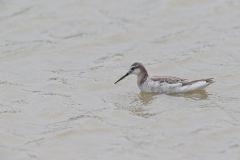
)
(8, 109)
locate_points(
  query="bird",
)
(164, 84)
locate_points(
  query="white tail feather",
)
(194, 86)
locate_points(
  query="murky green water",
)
(59, 60)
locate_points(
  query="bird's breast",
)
(159, 87)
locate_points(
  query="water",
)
(59, 60)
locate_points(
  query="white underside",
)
(157, 87)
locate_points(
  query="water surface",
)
(59, 60)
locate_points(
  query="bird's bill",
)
(122, 77)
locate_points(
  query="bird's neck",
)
(141, 78)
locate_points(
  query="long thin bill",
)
(122, 77)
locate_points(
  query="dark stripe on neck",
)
(144, 78)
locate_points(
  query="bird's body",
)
(164, 84)
(169, 85)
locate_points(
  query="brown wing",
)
(169, 79)
(208, 80)
(172, 80)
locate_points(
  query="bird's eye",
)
(134, 67)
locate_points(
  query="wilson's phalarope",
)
(165, 84)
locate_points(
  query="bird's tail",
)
(196, 84)
(209, 80)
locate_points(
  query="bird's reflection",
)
(139, 105)
(147, 98)
(195, 95)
